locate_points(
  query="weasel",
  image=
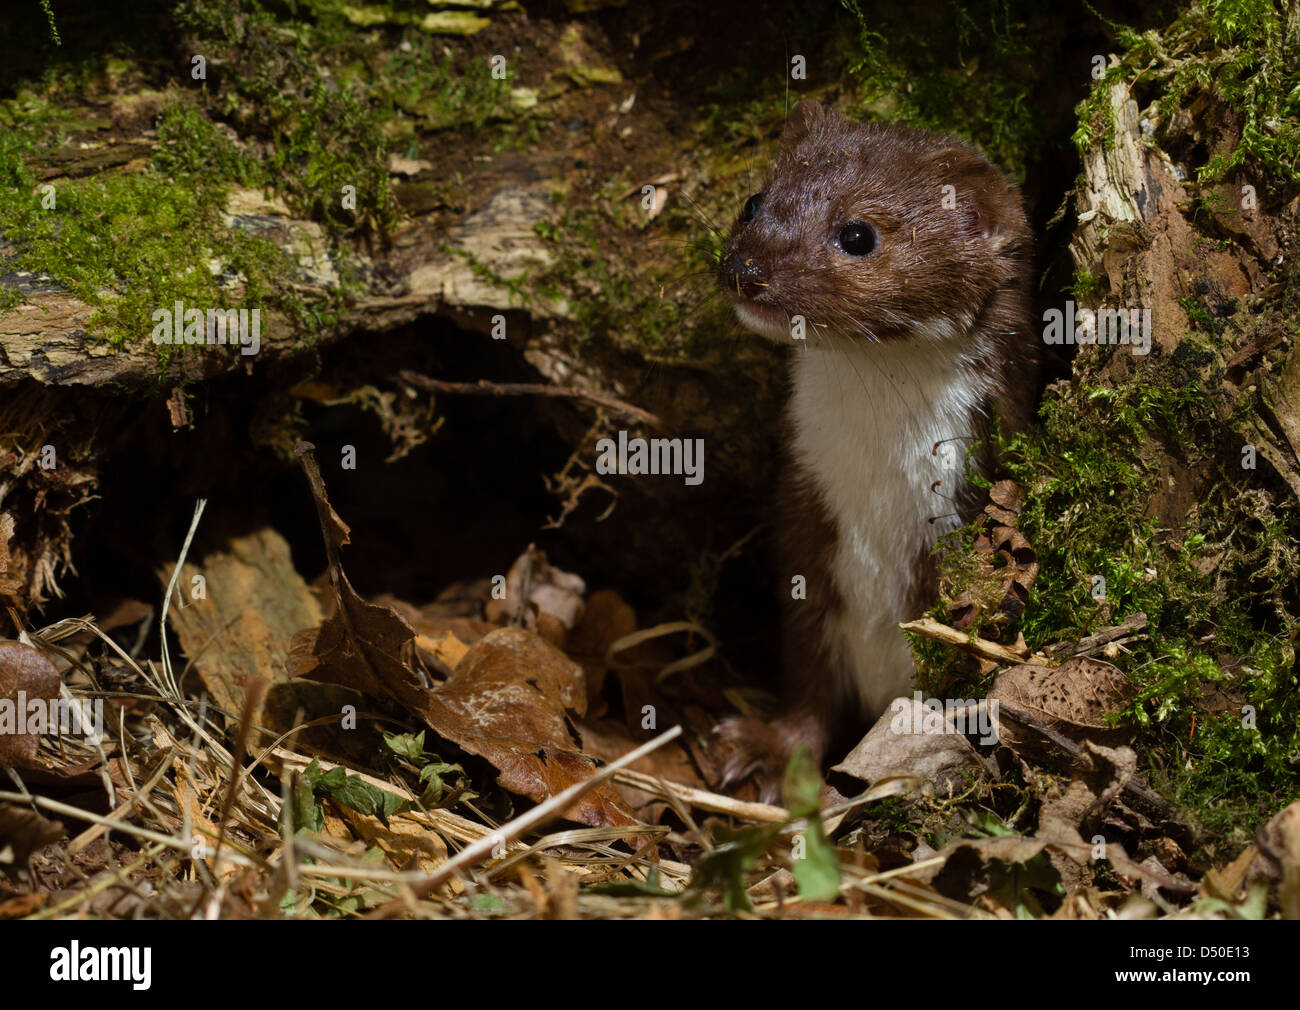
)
(896, 265)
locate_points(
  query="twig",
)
(95, 830)
(1077, 647)
(534, 818)
(130, 829)
(252, 702)
(995, 651)
(764, 813)
(199, 506)
(658, 631)
(485, 388)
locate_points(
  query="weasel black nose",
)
(743, 276)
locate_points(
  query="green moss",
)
(54, 28)
(648, 284)
(130, 242)
(191, 146)
(443, 90)
(329, 102)
(1095, 118)
(962, 68)
(1197, 314)
(1217, 678)
(1244, 54)
(318, 134)
(1220, 594)
(297, 99)
(1085, 286)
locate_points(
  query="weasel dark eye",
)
(858, 239)
(748, 211)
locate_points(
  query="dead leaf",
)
(242, 627)
(1072, 699)
(506, 702)
(1279, 857)
(1073, 811)
(407, 843)
(953, 876)
(23, 905)
(26, 676)
(360, 645)
(608, 740)
(912, 740)
(23, 833)
(1007, 562)
(363, 646)
(1227, 883)
(203, 828)
(437, 619)
(539, 596)
(11, 581)
(607, 619)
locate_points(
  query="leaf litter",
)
(463, 761)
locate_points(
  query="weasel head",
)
(874, 232)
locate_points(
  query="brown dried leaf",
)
(540, 597)
(608, 740)
(1073, 699)
(11, 582)
(914, 742)
(1007, 494)
(23, 833)
(1279, 857)
(1000, 517)
(241, 630)
(25, 675)
(1003, 558)
(607, 619)
(506, 702)
(954, 874)
(406, 843)
(1070, 812)
(363, 646)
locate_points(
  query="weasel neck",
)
(874, 427)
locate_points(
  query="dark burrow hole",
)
(459, 507)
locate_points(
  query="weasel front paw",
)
(760, 750)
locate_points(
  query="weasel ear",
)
(987, 203)
(799, 123)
